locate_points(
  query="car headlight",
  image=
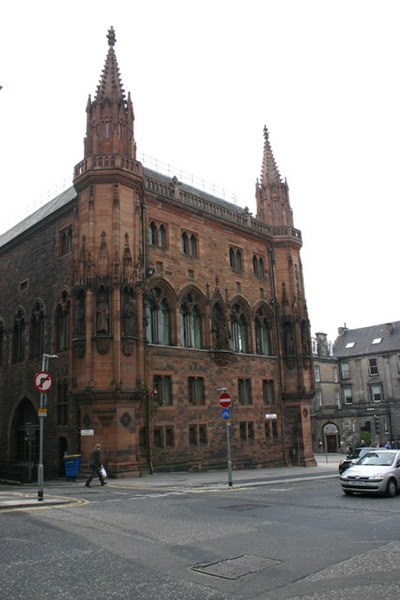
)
(376, 477)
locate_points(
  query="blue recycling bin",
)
(71, 465)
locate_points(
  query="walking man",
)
(95, 464)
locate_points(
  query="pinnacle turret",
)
(272, 194)
(269, 169)
(110, 116)
(110, 86)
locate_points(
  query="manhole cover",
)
(234, 568)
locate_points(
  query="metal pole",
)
(30, 462)
(42, 405)
(228, 442)
(41, 432)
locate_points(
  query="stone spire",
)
(269, 170)
(272, 194)
(110, 86)
(110, 117)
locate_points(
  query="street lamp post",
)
(42, 414)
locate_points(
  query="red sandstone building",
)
(154, 295)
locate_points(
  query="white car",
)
(377, 472)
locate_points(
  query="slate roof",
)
(70, 194)
(44, 211)
(375, 339)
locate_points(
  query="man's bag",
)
(103, 472)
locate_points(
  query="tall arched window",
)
(190, 322)
(258, 266)
(185, 243)
(239, 329)
(189, 243)
(162, 237)
(153, 234)
(263, 334)
(36, 345)
(235, 259)
(62, 322)
(193, 245)
(157, 316)
(18, 337)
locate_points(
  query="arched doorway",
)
(331, 437)
(24, 442)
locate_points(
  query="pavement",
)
(26, 496)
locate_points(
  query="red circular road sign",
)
(224, 400)
(42, 381)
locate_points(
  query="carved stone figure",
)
(102, 313)
(129, 317)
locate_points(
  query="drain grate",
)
(238, 566)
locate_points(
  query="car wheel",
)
(391, 488)
(348, 492)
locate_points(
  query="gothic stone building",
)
(154, 295)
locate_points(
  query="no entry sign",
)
(224, 400)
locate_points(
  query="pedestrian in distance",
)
(95, 466)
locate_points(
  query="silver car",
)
(377, 472)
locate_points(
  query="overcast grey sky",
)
(204, 78)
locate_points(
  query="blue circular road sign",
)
(225, 413)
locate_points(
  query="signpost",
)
(225, 403)
(30, 437)
(43, 382)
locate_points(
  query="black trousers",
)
(95, 471)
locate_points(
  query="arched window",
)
(18, 337)
(239, 329)
(193, 245)
(190, 322)
(37, 331)
(235, 259)
(258, 266)
(62, 322)
(157, 316)
(232, 261)
(162, 237)
(263, 333)
(185, 243)
(189, 244)
(153, 234)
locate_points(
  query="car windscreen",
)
(382, 459)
